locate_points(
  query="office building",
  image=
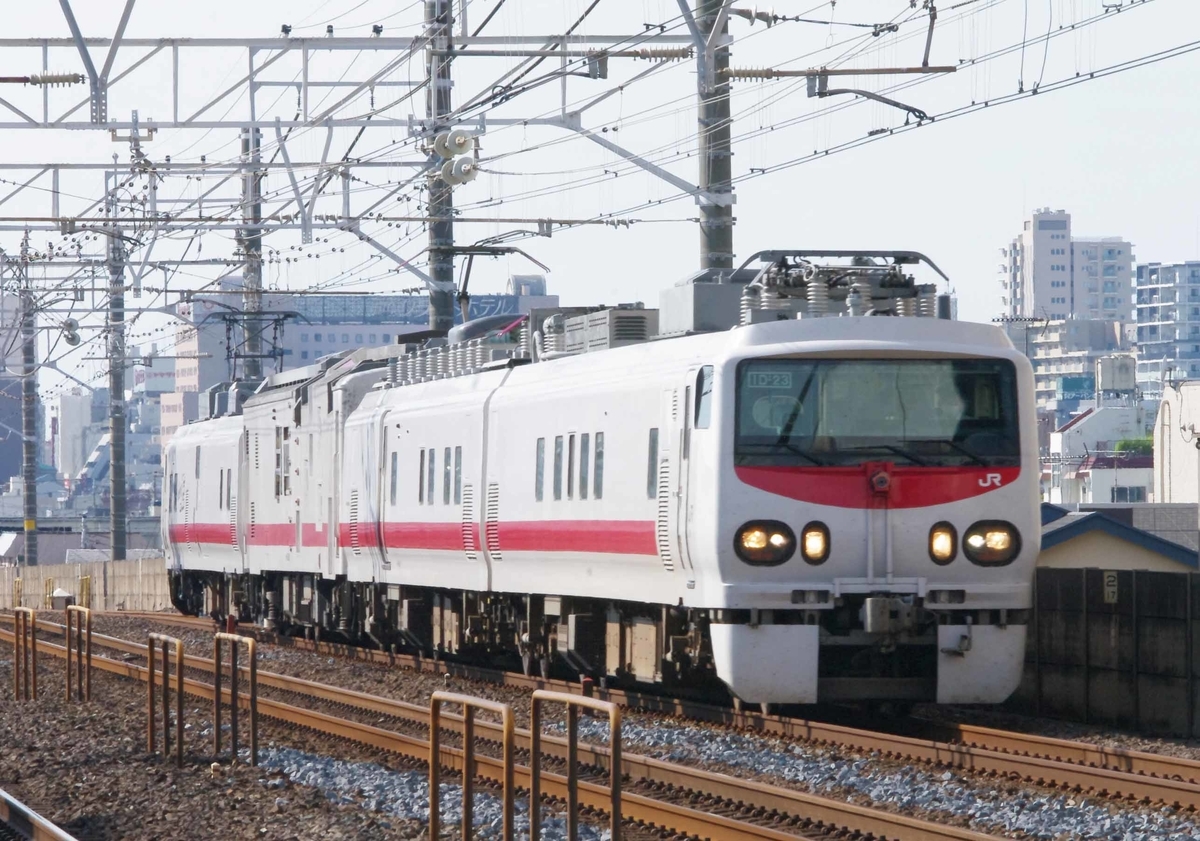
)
(1168, 324)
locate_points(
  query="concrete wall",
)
(116, 585)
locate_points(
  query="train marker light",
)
(815, 548)
(943, 543)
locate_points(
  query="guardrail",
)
(469, 705)
(574, 704)
(252, 652)
(166, 689)
(79, 655)
(26, 823)
(24, 654)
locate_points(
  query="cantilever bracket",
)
(818, 85)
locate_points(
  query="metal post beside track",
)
(24, 654)
(79, 655)
(166, 686)
(469, 705)
(574, 703)
(252, 652)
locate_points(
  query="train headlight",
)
(992, 543)
(814, 546)
(943, 543)
(764, 543)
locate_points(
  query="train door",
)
(685, 460)
(668, 450)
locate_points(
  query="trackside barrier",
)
(85, 591)
(79, 655)
(574, 704)
(469, 705)
(48, 598)
(252, 652)
(17, 592)
(166, 689)
(24, 654)
(26, 823)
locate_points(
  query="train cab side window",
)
(558, 467)
(598, 484)
(583, 465)
(421, 480)
(570, 466)
(704, 384)
(431, 475)
(392, 484)
(539, 478)
(458, 475)
(652, 466)
(446, 477)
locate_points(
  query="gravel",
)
(405, 794)
(909, 790)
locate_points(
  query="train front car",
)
(875, 524)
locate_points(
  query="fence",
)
(151, 645)
(24, 654)
(1115, 648)
(104, 585)
(79, 654)
(469, 705)
(234, 673)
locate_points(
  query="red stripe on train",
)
(606, 537)
(850, 487)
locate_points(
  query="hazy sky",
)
(1116, 152)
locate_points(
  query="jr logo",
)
(992, 480)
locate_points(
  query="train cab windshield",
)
(837, 412)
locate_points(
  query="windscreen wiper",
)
(891, 448)
(792, 448)
(959, 448)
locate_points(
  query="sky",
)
(1116, 152)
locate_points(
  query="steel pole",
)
(251, 241)
(29, 407)
(439, 28)
(716, 156)
(116, 391)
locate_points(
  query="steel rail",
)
(639, 808)
(1107, 771)
(26, 823)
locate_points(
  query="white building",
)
(1065, 355)
(1049, 274)
(1168, 324)
(1176, 436)
(1085, 465)
(73, 441)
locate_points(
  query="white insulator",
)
(441, 362)
(854, 303)
(393, 370)
(818, 298)
(749, 303)
(906, 307)
(927, 304)
(456, 362)
(774, 302)
(523, 341)
(863, 287)
(419, 366)
(478, 354)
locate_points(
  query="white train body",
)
(596, 509)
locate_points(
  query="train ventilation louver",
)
(663, 525)
(492, 525)
(233, 537)
(468, 522)
(630, 328)
(253, 523)
(354, 545)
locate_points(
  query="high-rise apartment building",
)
(1168, 324)
(1049, 274)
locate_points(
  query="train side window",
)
(704, 384)
(652, 466)
(197, 462)
(229, 488)
(598, 484)
(221, 491)
(583, 465)
(432, 474)
(571, 466)
(539, 478)
(446, 477)
(421, 480)
(395, 470)
(458, 475)
(558, 465)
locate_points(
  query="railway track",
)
(669, 798)
(1071, 765)
(20, 823)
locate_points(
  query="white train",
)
(802, 508)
